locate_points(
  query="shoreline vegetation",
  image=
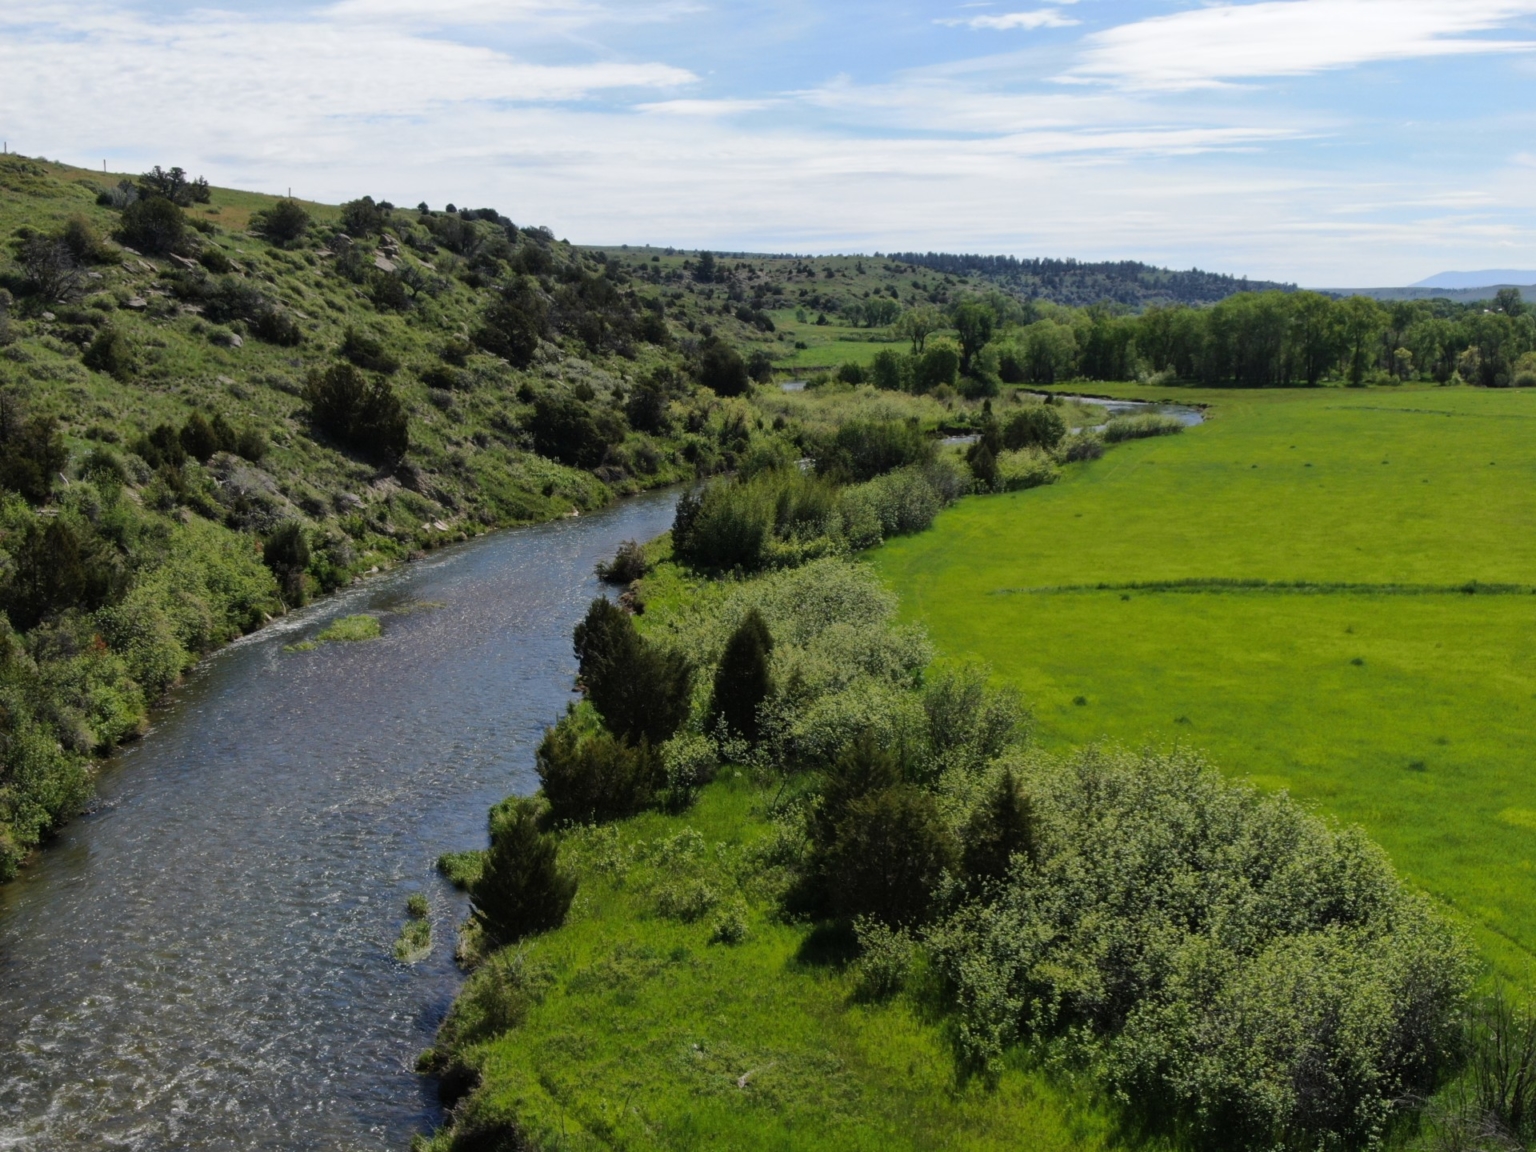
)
(824, 837)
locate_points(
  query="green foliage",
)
(154, 225)
(32, 453)
(722, 370)
(1293, 998)
(522, 889)
(891, 850)
(595, 776)
(283, 223)
(352, 630)
(363, 217)
(640, 689)
(974, 324)
(515, 322)
(938, 367)
(1001, 828)
(174, 187)
(58, 564)
(1037, 426)
(414, 942)
(1140, 427)
(627, 565)
(744, 677)
(861, 450)
(365, 416)
(568, 430)
(110, 352)
(367, 352)
(286, 553)
(984, 467)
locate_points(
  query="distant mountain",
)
(1072, 282)
(1488, 278)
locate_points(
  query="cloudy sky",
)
(1329, 142)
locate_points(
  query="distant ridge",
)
(1488, 278)
(1073, 282)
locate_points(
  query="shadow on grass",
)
(830, 944)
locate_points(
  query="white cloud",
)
(620, 150)
(704, 107)
(1040, 18)
(1208, 46)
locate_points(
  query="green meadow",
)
(648, 1031)
(1328, 591)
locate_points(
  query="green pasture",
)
(649, 1035)
(827, 345)
(1328, 591)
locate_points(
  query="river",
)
(204, 961)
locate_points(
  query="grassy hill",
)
(1327, 591)
(156, 413)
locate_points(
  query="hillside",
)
(242, 408)
(1077, 284)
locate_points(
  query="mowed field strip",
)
(1330, 591)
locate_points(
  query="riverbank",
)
(761, 964)
(206, 957)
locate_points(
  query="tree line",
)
(1251, 340)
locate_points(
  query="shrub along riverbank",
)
(789, 883)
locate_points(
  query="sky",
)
(1337, 143)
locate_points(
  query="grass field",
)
(1350, 662)
(651, 1036)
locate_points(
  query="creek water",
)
(205, 960)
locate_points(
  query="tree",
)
(1362, 324)
(974, 322)
(566, 429)
(1315, 335)
(889, 371)
(705, 271)
(916, 324)
(890, 850)
(937, 367)
(111, 353)
(1038, 426)
(640, 689)
(1002, 827)
(200, 439)
(722, 370)
(1509, 301)
(286, 553)
(521, 889)
(983, 462)
(283, 223)
(362, 415)
(515, 322)
(743, 679)
(362, 217)
(153, 225)
(32, 454)
(54, 568)
(646, 408)
(174, 187)
(52, 272)
(598, 776)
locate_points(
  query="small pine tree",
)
(199, 438)
(743, 680)
(891, 849)
(521, 889)
(286, 553)
(984, 468)
(1002, 827)
(640, 689)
